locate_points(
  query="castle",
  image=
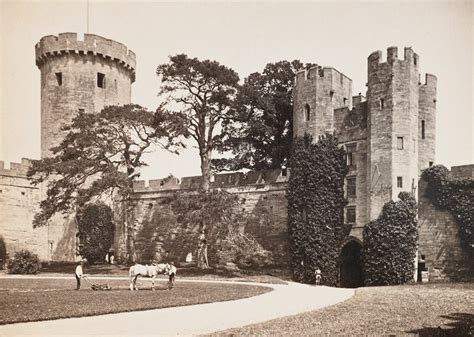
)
(389, 137)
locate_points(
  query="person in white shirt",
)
(172, 275)
(79, 274)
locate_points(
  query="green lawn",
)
(23, 300)
(424, 310)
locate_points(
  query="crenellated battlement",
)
(266, 177)
(66, 43)
(430, 80)
(317, 72)
(375, 58)
(16, 169)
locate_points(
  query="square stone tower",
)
(389, 138)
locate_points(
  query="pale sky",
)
(244, 36)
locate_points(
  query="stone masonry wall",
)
(154, 229)
(351, 131)
(19, 201)
(69, 80)
(439, 238)
(322, 90)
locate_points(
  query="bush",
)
(3, 253)
(243, 250)
(390, 242)
(316, 208)
(96, 231)
(24, 262)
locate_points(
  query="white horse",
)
(147, 271)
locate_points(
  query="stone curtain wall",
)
(149, 227)
(19, 201)
(439, 238)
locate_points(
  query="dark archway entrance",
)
(350, 273)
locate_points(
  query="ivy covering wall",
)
(316, 208)
(454, 195)
(390, 243)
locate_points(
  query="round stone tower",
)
(80, 76)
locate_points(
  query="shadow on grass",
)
(462, 325)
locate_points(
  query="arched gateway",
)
(350, 272)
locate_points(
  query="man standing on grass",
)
(79, 274)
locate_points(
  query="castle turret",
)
(427, 122)
(80, 75)
(392, 99)
(317, 92)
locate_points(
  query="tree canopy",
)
(199, 93)
(260, 130)
(101, 153)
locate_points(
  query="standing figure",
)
(79, 274)
(317, 273)
(172, 276)
(202, 261)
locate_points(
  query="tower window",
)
(350, 159)
(400, 143)
(382, 103)
(345, 101)
(341, 78)
(101, 80)
(81, 111)
(307, 112)
(307, 74)
(59, 78)
(351, 187)
(422, 129)
(430, 163)
(351, 215)
(400, 182)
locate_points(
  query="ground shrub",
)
(24, 262)
(316, 208)
(3, 253)
(390, 243)
(243, 250)
(96, 231)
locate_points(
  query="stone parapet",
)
(16, 169)
(65, 43)
(224, 180)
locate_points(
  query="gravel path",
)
(284, 300)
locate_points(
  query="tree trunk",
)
(206, 170)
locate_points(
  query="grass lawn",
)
(424, 310)
(23, 300)
(275, 275)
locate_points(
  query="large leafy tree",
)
(96, 231)
(199, 93)
(101, 153)
(260, 132)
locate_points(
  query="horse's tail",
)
(130, 272)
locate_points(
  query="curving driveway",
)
(284, 300)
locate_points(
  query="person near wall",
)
(421, 266)
(318, 276)
(79, 274)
